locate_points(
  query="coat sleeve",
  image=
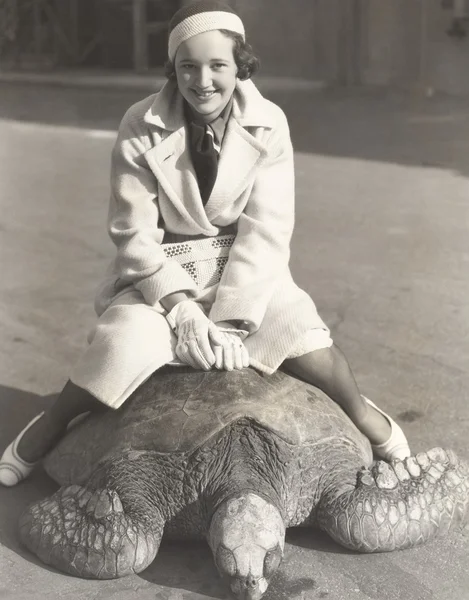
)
(260, 253)
(134, 221)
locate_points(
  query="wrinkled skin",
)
(236, 459)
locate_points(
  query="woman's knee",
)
(124, 314)
(316, 362)
(122, 322)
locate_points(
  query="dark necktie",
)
(204, 158)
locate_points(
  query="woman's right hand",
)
(196, 335)
(230, 351)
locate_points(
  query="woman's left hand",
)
(230, 353)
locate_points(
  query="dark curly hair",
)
(245, 59)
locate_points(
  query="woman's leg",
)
(329, 370)
(50, 428)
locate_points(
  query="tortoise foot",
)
(87, 533)
(400, 505)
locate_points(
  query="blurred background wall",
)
(416, 41)
(348, 42)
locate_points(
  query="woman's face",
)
(206, 72)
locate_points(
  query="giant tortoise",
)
(235, 458)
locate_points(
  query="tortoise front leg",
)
(400, 505)
(87, 533)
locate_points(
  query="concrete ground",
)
(381, 244)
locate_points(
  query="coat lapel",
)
(241, 152)
(240, 155)
(170, 159)
(171, 163)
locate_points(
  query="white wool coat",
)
(155, 190)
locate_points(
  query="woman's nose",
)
(204, 78)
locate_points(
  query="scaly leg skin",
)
(400, 505)
(86, 533)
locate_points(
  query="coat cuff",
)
(237, 309)
(171, 278)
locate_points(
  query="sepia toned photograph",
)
(234, 257)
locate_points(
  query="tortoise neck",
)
(247, 458)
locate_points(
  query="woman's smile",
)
(204, 95)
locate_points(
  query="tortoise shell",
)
(177, 410)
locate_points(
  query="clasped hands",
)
(203, 344)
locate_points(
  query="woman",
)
(201, 213)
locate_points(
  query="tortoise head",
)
(247, 537)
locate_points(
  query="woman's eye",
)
(219, 66)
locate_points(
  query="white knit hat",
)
(198, 17)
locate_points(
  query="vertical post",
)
(37, 27)
(73, 31)
(357, 41)
(423, 83)
(140, 42)
(349, 41)
(341, 8)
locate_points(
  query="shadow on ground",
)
(193, 568)
(371, 124)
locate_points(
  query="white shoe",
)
(13, 468)
(396, 446)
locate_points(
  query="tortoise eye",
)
(225, 561)
(272, 561)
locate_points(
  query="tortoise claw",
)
(438, 455)
(400, 470)
(365, 478)
(385, 476)
(413, 467)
